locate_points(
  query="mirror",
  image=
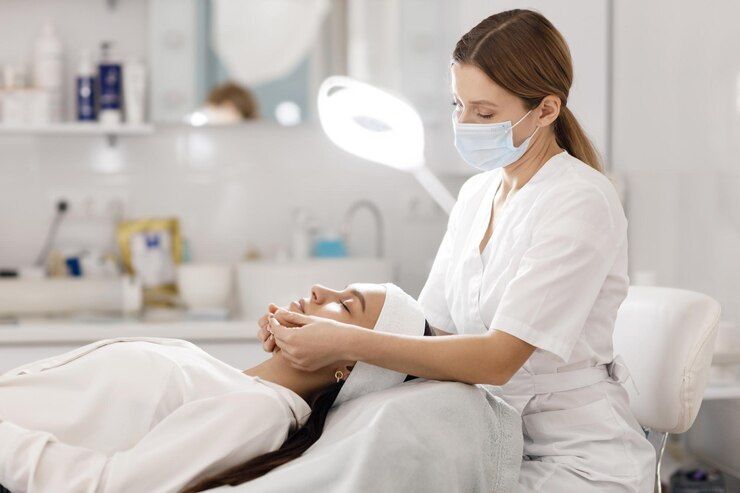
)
(227, 61)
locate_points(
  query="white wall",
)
(676, 124)
(675, 127)
(230, 187)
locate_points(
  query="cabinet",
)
(233, 342)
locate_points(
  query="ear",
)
(549, 110)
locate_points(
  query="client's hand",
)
(315, 343)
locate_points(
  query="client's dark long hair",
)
(294, 446)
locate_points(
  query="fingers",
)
(283, 338)
(286, 318)
(263, 334)
(268, 341)
(271, 309)
(262, 323)
(269, 345)
(278, 331)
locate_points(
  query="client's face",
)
(357, 304)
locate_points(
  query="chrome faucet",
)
(349, 216)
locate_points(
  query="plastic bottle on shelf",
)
(109, 83)
(134, 89)
(85, 89)
(48, 69)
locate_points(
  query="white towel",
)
(401, 314)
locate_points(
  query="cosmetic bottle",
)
(85, 89)
(109, 84)
(134, 91)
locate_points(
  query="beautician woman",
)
(529, 275)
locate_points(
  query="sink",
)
(260, 283)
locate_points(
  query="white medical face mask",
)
(488, 146)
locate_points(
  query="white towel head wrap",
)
(401, 314)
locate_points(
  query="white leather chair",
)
(666, 338)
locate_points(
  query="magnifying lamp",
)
(380, 127)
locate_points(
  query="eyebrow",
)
(359, 297)
(483, 101)
(477, 101)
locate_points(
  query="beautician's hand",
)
(268, 341)
(315, 343)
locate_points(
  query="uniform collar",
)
(548, 169)
(483, 215)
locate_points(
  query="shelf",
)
(78, 128)
(83, 333)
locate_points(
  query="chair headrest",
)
(666, 337)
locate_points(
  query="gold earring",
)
(338, 375)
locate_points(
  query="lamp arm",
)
(435, 188)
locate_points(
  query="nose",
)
(321, 294)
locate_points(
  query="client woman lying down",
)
(161, 415)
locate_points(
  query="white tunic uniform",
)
(554, 277)
(135, 414)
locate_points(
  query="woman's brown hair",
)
(239, 96)
(293, 447)
(521, 51)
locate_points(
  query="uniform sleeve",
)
(432, 297)
(573, 248)
(202, 437)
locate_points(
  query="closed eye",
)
(345, 306)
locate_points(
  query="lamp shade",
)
(371, 123)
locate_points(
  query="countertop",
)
(51, 332)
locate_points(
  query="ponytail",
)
(571, 137)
